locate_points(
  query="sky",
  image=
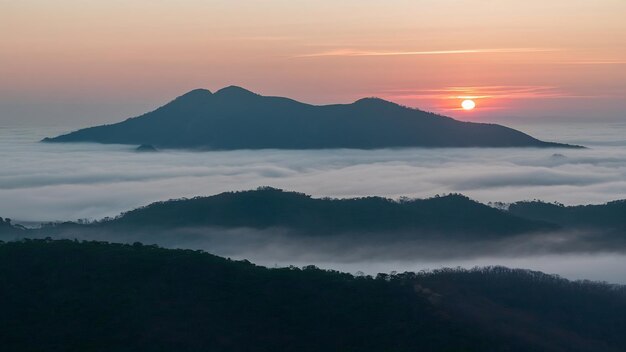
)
(87, 62)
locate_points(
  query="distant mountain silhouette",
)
(97, 296)
(274, 208)
(235, 118)
(145, 148)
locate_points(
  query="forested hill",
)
(269, 214)
(94, 296)
(235, 118)
(274, 208)
(611, 215)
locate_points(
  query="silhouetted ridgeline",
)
(270, 208)
(145, 148)
(611, 215)
(273, 213)
(234, 118)
(95, 296)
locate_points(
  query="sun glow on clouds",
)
(497, 97)
(94, 62)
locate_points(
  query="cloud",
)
(482, 92)
(596, 62)
(355, 52)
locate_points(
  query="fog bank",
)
(45, 182)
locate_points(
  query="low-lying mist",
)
(573, 255)
(50, 182)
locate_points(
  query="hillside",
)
(235, 118)
(292, 224)
(274, 208)
(95, 296)
(611, 215)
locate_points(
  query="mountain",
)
(96, 296)
(235, 118)
(274, 208)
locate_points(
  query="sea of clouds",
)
(49, 182)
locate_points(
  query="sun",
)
(468, 104)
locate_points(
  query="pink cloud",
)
(354, 52)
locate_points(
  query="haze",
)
(88, 62)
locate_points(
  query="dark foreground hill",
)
(94, 296)
(234, 118)
(274, 208)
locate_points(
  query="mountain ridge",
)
(267, 207)
(450, 226)
(236, 118)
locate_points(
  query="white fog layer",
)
(50, 181)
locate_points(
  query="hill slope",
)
(234, 118)
(275, 208)
(292, 224)
(611, 215)
(94, 296)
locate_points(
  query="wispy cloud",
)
(597, 62)
(355, 52)
(269, 38)
(482, 92)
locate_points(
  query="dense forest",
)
(452, 215)
(270, 207)
(611, 215)
(453, 224)
(93, 296)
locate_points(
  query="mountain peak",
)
(197, 92)
(193, 96)
(373, 101)
(235, 91)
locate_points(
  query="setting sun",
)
(468, 104)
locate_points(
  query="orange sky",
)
(97, 61)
